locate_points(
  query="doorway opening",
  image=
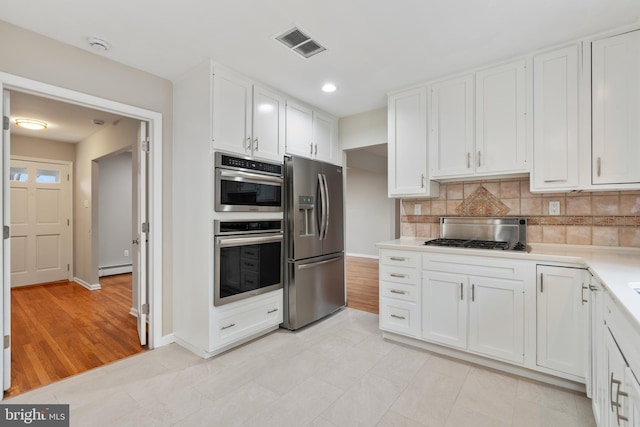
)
(61, 297)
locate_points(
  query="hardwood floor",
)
(362, 284)
(61, 329)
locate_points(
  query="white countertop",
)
(614, 267)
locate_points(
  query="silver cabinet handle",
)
(541, 283)
(316, 150)
(398, 275)
(599, 167)
(396, 291)
(468, 160)
(479, 163)
(461, 292)
(255, 146)
(311, 149)
(398, 317)
(228, 326)
(582, 294)
(593, 288)
(395, 258)
(248, 147)
(473, 292)
(421, 180)
(272, 311)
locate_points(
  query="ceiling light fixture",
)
(329, 87)
(31, 124)
(98, 45)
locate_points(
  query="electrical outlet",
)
(554, 207)
(126, 252)
(417, 209)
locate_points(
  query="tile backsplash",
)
(609, 218)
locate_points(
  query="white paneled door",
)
(40, 222)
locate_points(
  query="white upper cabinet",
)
(555, 120)
(501, 138)
(247, 118)
(452, 127)
(478, 123)
(311, 134)
(616, 109)
(407, 145)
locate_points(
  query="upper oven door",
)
(240, 191)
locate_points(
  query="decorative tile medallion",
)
(482, 203)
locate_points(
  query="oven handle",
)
(224, 242)
(249, 177)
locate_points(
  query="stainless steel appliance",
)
(248, 259)
(314, 283)
(244, 184)
(482, 233)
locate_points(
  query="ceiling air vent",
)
(300, 43)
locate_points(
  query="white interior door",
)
(40, 222)
(142, 234)
(5, 253)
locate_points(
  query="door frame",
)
(155, 277)
(70, 203)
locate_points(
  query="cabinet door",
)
(444, 308)
(231, 112)
(562, 320)
(496, 318)
(617, 402)
(325, 143)
(399, 316)
(408, 143)
(299, 137)
(555, 119)
(501, 119)
(268, 124)
(616, 109)
(598, 360)
(452, 128)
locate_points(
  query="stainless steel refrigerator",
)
(314, 280)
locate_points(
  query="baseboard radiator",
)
(110, 270)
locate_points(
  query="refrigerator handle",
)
(323, 206)
(326, 212)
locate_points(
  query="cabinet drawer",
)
(400, 291)
(399, 316)
(246, 321)
(400, 258)
(410, 276)
(625, 335)
(477, 266)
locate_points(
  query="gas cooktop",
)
(507, 234)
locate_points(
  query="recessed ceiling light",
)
(31, 124)
(98, 45)
(329, 87)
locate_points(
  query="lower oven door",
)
(246, 265)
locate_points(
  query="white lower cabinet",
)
(618, 405)
(562, 309)
(400, 292)
(444, 308)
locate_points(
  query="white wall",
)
(370, 214)
(364, 129)
(27, 146)
(115, 212)
(72, 68)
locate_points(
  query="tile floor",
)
(339, 372)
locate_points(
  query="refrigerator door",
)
(333, 233)
(303, 205)
(315, 289)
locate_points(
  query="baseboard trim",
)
(115, 269)
(362, 255)
(168, 339)
(84, 284)
(133, 312)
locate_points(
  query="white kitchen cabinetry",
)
(311, 134)
(597, 382)
(400, 292)
(481, 313)
(556, 155)
(478, 123)
(616, 109)
(407, 145)
(501, 138)
(246, 118)
(452, 128)
(562, 309)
